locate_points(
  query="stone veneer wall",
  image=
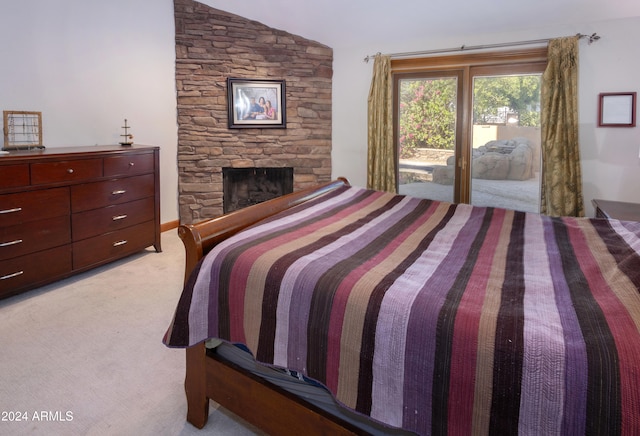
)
(212, 45)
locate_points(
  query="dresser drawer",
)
(65, 171)
(34, 269)
(14, 175)
(34, 236)
(100, 194)
(129, 165)
(97, 221)
(30, 206)
(112, 245)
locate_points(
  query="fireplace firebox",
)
(244, 187)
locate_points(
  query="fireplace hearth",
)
(244, 187)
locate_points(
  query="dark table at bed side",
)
(617, 210)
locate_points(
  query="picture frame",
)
(617, 109)
(22, 130)
(256, 103)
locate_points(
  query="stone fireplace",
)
(212, 46)
(244, 187)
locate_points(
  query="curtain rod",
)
(591, 38)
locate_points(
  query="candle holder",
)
(128, 138)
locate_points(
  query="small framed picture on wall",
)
(617, 109)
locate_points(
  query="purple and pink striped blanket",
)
(434, 317)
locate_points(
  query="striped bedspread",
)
(434, 317)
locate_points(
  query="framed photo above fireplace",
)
(256, 103)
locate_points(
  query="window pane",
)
(505, 168)
(427, 137)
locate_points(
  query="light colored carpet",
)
(84, 356)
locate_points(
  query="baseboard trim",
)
(169, 225)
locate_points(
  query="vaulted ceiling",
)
(356, 23)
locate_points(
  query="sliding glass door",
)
(505, 140)
(428, 121)
(470, 133)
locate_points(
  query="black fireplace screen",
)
(244, 187)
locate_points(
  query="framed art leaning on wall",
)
(22, 130)
(256, 103)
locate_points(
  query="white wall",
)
(610, 156)
(87, 66)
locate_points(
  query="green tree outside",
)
(427, 117)
(520, 94)
(427, 114)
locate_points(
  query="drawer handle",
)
(10, 276)
(118, 192)
(70, 170)
(119, 217)
(15, 209)
(7, 244)
(119, 243)
(131, 164)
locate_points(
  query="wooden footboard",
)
(200, 238)
(266, 405)
(209, 377)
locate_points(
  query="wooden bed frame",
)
(208, 376)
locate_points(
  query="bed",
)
(417, 315)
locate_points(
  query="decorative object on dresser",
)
(618, 210)
(22, 130)
(127, 137)
(67, 210)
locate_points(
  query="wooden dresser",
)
(618, 210)
(66, 210)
